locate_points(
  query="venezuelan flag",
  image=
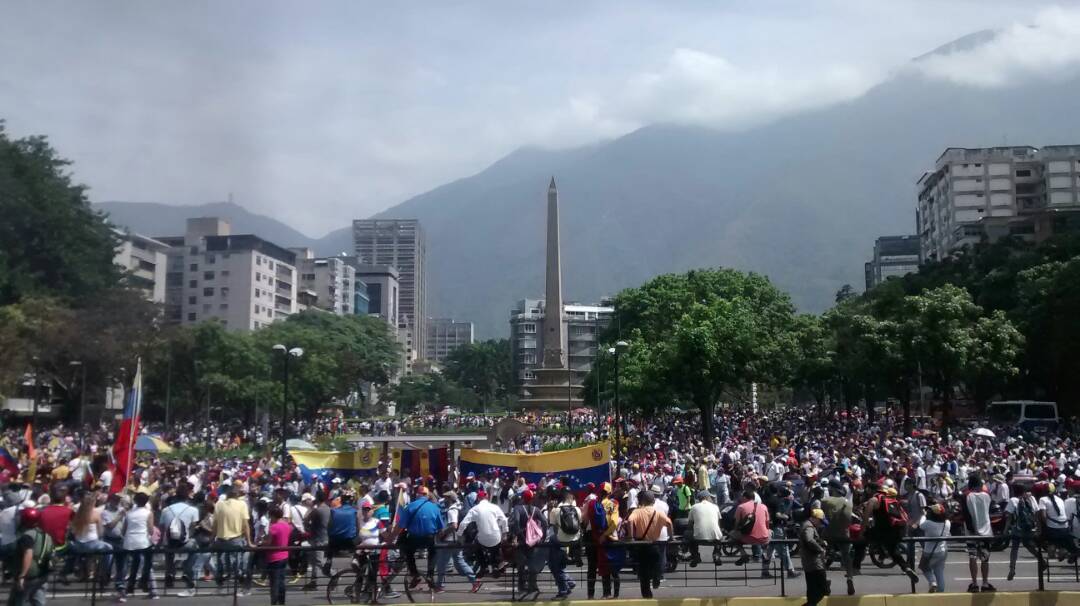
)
(315, 464)
(422, 463)
(590, 464)
(8, 462)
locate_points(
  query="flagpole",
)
(136, 406)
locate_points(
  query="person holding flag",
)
(123, 452)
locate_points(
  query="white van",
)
(1028, 414)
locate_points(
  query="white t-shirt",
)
(1054, 509)
(705, 518)
(662, 506)
(933, 529)
(978, 507)
(1070, 514)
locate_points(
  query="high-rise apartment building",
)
(893, 256)
(330, 280)
(990, 193)
(398, 243)
(143, 261)
(444, 335)
(582, 324)
(241, 280)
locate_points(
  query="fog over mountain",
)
(800, 199)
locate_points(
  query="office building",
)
(581, 324)
(985, 194)
(444, 335)
(893, 256)
(400, 244)
(243, 281)
(381, 288)
(143, 261)
(330, 280)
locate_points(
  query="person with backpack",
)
(751, 527)
(483, 528)
(342, 531)
(450, 550)
(1055, 524)
(417, 524)
(887, 521)
(564, 516)
(976, 507)
(528, 529)
(1022, 526)
(32, 560)
(177, 520)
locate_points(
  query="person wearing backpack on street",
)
(32, 559)
(417, 524)
(177, 520)
(751, 527)
(451, 551)
(565, 517)
(528, 528)
(1022, 526)
(887, 521)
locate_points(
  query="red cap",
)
(480, 494)
(527, 496)
(29, 518)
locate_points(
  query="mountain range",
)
(801, 199)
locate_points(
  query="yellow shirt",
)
(611, 509)
(61, 473)
(231, 519)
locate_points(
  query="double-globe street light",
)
(620, 346)
(286, 353)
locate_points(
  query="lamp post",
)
(620, 346)
(82, 392)
(286, 353)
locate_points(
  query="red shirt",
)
(55, 520)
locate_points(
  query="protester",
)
(934, 524)
(645, 523)
(813, 551)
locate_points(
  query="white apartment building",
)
(143, 261)
(444, 335)
(241, 280)
(330, 280)
(991, 193)
(582, 327)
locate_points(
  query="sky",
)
(316, 113)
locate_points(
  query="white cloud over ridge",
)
(1046, 47)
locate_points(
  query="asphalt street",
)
(704, 580)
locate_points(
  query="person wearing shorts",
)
(977, 519)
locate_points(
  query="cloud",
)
(697, 87)
(1048, 47)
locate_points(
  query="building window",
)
(193, 267)
(224, 292)
(193, 283)
(1023, 172)
(192, 300)
(257, 293)
(258, 260)
(208, 275)
(528, 328)
(270, 264)
(270, 312)
(208, 291)
(224, 273)
(191, 317)
(194, 250)
(210, 259)
(223, 306)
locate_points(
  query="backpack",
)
(534, 531)
(1025, 516)
(468, 536)
(599, 517)
(569, 520)
(178, 531)
(894, 512)
(41, 561)
(747, 523)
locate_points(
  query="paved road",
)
(702, 581)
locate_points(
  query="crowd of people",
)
(838, 489)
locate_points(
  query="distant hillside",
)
(800, 200)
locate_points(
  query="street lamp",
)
(82, 394)
(286, 353)
(620, 346)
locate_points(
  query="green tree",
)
(429, 391)
(51, 241)
(483, 367)
(814, 367)
(704, 334)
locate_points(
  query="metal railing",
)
(374, 574)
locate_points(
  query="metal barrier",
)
(374, 574)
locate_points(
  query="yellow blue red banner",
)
(580, 466)
(417, 464)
